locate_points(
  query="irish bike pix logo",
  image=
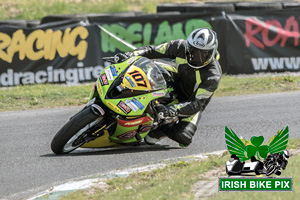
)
(252, 162)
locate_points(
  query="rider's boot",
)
(183, 133)
(156, 135)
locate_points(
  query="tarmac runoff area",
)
(201, 189)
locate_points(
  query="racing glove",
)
(166, 111)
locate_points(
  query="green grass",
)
(294, 144)
(37, 9)
(54, 95)
(174, 181)
(43, 96)
(233, 85)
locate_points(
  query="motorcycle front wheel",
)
(70, 136)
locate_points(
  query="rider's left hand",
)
(166, 111)
(120, 57)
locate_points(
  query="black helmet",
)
(201, 47)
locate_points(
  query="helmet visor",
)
(199, 57)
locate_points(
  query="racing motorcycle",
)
(121, 108)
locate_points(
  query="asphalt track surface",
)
(28, 165)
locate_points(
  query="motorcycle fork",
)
(94, 133)
(97, 131)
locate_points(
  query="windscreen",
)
(144, 75)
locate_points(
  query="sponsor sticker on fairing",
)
(99, 109)
(131, 68)
(128, 135)
(145, 128)
(131, 60)
(100, 88)
(131, 105)
(158, 94)
(103, 79)
(113, 107)
(126, 109)
(120, 88)
(113, 70)
(134, 122)
(130, 81)
(109, 74)
(137, 103)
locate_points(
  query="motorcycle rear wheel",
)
(63, 141)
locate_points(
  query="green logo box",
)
(258, 184)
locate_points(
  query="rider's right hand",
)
(166, 111)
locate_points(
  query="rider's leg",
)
(181, 132)
(184, 131)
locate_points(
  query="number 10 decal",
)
(138, 77)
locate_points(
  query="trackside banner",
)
(147, 30)
(63, 52)
(155, 29)
(71, 52)
(249, 42)
(262, 41)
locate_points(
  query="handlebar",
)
(118, 58)
(109, 59)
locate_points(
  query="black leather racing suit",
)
(194, 87)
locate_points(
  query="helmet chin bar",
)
(195, 67)
(198, 67)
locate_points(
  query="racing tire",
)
(14, 23)
(290, 5)
(171, 7)
(257, 6)
(195, 7)
(73, 129)
(210, 8)
(33, 23)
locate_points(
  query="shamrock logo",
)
(236, 146)
(256, 149)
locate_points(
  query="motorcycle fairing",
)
(127, 129)
(140, 91)
(141, 80)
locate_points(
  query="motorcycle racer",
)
(276, 161)
(198, 76)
